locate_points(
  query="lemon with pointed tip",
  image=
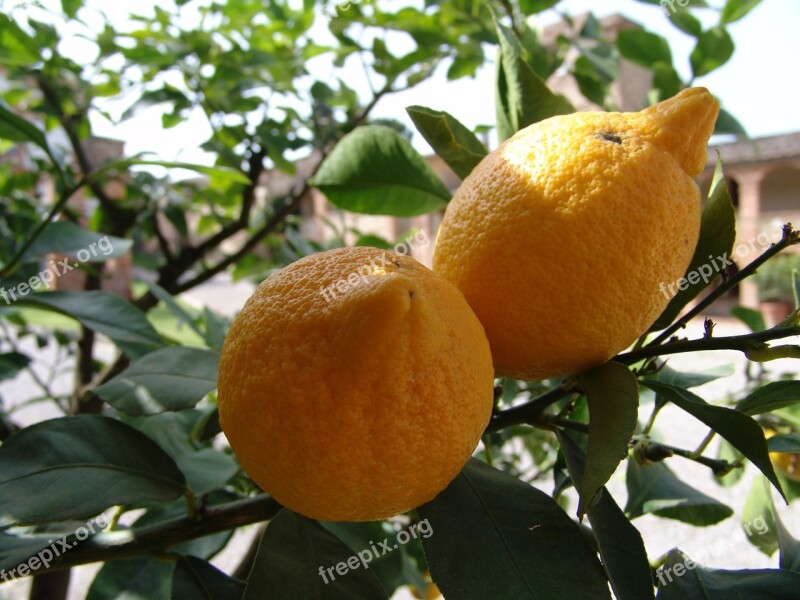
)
(355, 384)
(564, 238)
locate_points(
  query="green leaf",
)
(207, 469)
(17, 48)
(358, 536)
(758, 517)
(619, 542)
(132, 579)
(293, 559)
(655, 489)
(12, 363)
(531, 7)
(666, 80)
(64, 237)
(613, 397)
(713, 49)
(451, 140)
(717, 235)
(75, 467)
(196, 579)
(15, 128)
(102, 312)
(788, 545)
(375, 170)
(688, 380)
(70, 7)
(523, 98)
(769, 397)
(735, 426)
(220, 173)
(796, 287)
(643, 48)
(750, 317)
(511, 522)
(727, 124)
(737, 9)
(686, 22)
(694, 582)
(175, 308)
(785, 442)
(172, 378)
(728, 453)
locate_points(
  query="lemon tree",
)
(387, 427)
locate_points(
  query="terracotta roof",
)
(774, 147)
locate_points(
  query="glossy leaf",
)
(102, 312)
(737, 9)
(688, 380)
(758, 517)
(132, 578)
(727, 124)
(701, 583)
(64, 237)
(219, 173)
(17, 48)
(206, 469)
(451, 140)
(12, 363)
(531, 7)
(389, 566)
(750, 317)
(686, 22)
(717, 235)
(643, 47)
(522, 97)
(613, 397)
(196, 579)
(75, 467)
(173, 378)
(736, 427)
(620, 544)
(536, 550)
(655, 489)
(769, 397)
(293, 559)
(728, 453)
(786, 442)
(713, 49)
(375, 170)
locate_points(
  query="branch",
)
(119, 216)
(744, 343)
(530, 412)
(657, 452)
(159, 538)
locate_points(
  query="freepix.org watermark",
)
(364, 557)
(669, 6)
(44, 557)
(56, 269)
(715, 265)
(360, 276)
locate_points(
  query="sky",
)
(759, 85)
